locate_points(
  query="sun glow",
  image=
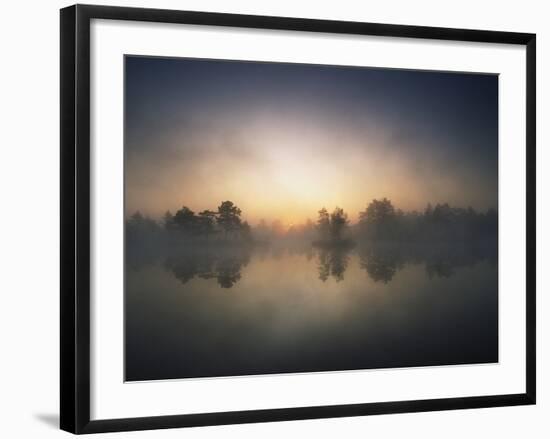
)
(283, 147)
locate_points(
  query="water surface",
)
(206, 312)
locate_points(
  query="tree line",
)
(381, 220)
(224, 222)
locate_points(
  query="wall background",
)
(29, 205)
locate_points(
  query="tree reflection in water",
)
(381, 266)
(381, 261)
(222, 264)
(333, 262)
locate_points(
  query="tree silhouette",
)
(206, 222)
(185, 220)
(168, 220)
(331, 227)
(136, 218)
(442, 213)
(378, 212)
(323, 223)
(428, 211)
(379, 219)
(229, 217)
(139, 224)
(338, 223)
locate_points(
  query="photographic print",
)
(291, 218)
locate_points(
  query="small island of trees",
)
(222, 225)
(225, 221)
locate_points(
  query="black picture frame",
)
(75, 217)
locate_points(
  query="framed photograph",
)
(268, 218)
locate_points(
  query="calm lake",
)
(242, 311)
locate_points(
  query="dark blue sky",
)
(284, 139)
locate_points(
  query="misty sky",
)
(284, 140)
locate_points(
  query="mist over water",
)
(268, 309)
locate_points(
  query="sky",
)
(283, 140)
